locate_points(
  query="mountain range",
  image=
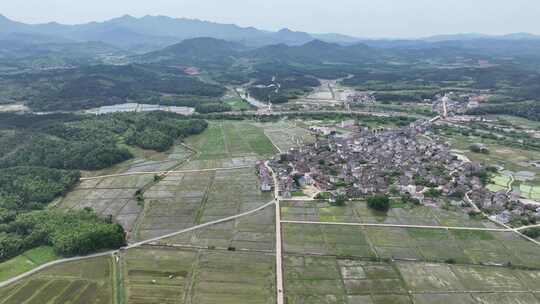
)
(153, 32)
(150, 33)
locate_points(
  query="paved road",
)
(527, 227)
(165, 172)
(279, 258)
(399, 226)
(138, 244)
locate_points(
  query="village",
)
(407, 163)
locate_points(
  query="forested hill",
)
(92, 86)
(40, 156)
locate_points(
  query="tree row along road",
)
(165, 172)
(134, 245)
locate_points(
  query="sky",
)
(361, 18)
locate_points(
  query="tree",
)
(340, 200)
(379, 202)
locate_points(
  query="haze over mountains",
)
(151, 33)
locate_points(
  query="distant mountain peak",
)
(319, 43)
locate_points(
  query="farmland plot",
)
(311, 279)
(358, 212)
(286, 135)
(226, 140)
(114, 196)
(88, 281)
(165, 275)
(476, 247)
(183, 200)
(253, 232)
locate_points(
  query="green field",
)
(530, 191)
(358, 212)
(238, 104)
(222, 140)
(421, 244)
(26, 261)
(82, 282)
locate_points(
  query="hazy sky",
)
(363, 18)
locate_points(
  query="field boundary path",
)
(165, 172)
(399, 226)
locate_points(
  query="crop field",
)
(254, 232)
(183, 200)
(499, 182)
(442, 283)
(530, 191)
(312, 279)
(26, 261)
(109, 196)
(477, 247)
(146, 161)
(114, 196)
(165, 275)
(238, 104)
(358, 212)
(82, 282)
(513, 159)
(286, 135)
(225, 140)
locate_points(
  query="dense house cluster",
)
(370, 161)
(399, 162)
(507, 207)
(361, 97)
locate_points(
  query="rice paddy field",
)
(183, 200)
(165, 275)
(470, 247)
(358, 212)
(82, 282)
(251, 233)
(400, 243)
(314, 279)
